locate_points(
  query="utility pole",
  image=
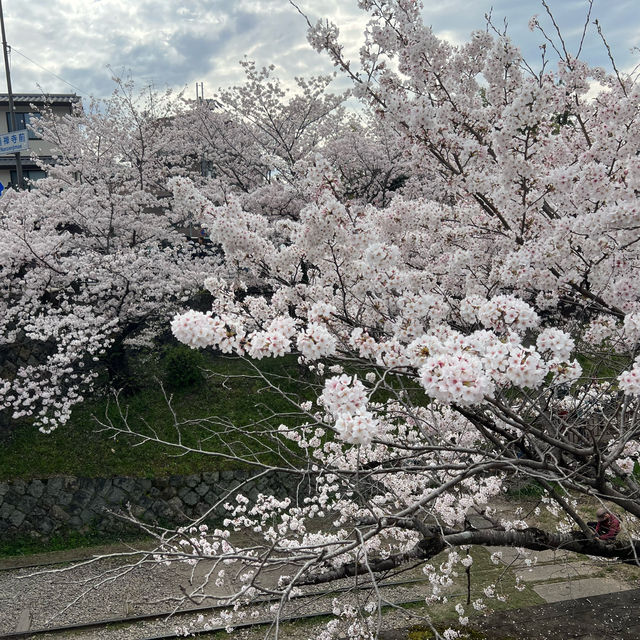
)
(12, 111)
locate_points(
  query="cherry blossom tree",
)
(260, 141)
(91, 258)
(251, 138)
(478, 329)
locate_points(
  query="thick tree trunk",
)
(538, 540)
(119, 365)
(627, 551)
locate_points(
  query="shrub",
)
(183, 367)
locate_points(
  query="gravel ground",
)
(299, 631)
(43, 599)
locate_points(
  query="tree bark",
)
(628, 550)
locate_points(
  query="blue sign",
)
(14, 141)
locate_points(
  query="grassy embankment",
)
(231, 390)
(235, 394)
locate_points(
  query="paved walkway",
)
(559, 575)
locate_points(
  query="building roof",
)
(9, 161)
(40, 98)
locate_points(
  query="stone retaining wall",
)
(48, 505)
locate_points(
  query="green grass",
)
(604, 365)
(79, 449)
(484, 573)
(61, 541)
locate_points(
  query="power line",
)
(48, 71)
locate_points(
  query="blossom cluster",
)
(456, 378)
(630, 380)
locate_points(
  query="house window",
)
(22, 120)
(29, 174)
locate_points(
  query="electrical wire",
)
(12, 48)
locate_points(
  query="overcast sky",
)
(176, 44)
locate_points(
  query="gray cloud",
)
(173, 43)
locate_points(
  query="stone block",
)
(44, 525)
(70, 483)
(106, 524)
(175, 504)
(38, 512)
(24, 621)
(192, 481)
(58, 513)
(513, 558)
(97, 505)
(211, 497)
(16, 518)
(65, 498)
(26, 503)
(19, 487)
(128, 485)
(138, 510)
(54, 485)
(81, 498)
(162, 510)
(202, 508)
(116, 496)
(572, 589)
(9, 370)
(47, 501)
(191, 498)
(202, 489)
(87, 515)
(228, 475)
(4, 489)
(6, 510)
(75, 522)
(168, 492)
(221, 512)
(565, 570)
(145, 484)
(143, 501)
(104, 487)
(149, 517)
(36, 488)
(87, 484)
(211, 477)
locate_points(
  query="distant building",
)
(27, 107)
